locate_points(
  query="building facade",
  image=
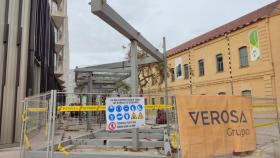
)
(31, 61)
(238, 58)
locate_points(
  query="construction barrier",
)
(215, 125)
(74, 125)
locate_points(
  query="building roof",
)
(239, 23)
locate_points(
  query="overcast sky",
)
(94, 42)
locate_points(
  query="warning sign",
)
(133, 116)
(125, 113)
(140, 116)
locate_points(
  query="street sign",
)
(125, 113)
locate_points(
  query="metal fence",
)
(266, 121)
(36, 127)
(51, 131)
(48, 131)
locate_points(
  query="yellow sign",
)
(133, 116)
(140, 116)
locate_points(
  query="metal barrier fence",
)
(36, 123)
(60, 124)
(266, 121)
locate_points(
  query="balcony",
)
(59, 46)
(58, 66)
(58, 17)
(58, 2)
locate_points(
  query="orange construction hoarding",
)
(215, 125)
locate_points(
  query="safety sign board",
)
(125, 113)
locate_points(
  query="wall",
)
(257, 77)
(274, 33)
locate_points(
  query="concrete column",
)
(134, 88)
(134, 68)
(8, 117)
(23, 65)
(2, 56)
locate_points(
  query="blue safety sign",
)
(132, 107)
(126, 108)
(140, 107)
(125, 113)
(119, 117)
(127, 116)
(119, 108)
(111, 117)
(111, 108)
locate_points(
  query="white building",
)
(34, 56)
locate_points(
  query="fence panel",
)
(266, 121)
(80, 123)
(36, 124)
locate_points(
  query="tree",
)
(152, 73)
(122, 87)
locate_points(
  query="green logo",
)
(254, 39)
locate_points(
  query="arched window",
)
(243, 56)
(246, 93)
(222, 93)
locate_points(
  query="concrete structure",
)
(60, 19)
(30, 58)
(221, 61)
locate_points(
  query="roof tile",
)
(241, 22)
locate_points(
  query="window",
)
(186, 68)
(146, 101)
(153, 101)
(161, 100)
(178, 71)
(201, 67)
(246, 93)
(243, 56)
(222, 93)
(219, 62)
(172, 75)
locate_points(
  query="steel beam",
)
(102, 70)
(42, 154)
(111, 17)
(124, 64)
(158, 136)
